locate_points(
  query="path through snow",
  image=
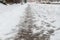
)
(11, 15)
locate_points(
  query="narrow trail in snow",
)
(28, 29)
(26, 25)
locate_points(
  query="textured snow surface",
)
(48, 13)
(11, 15)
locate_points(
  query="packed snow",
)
(11, 15)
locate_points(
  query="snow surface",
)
(48, 12)
(12, 15)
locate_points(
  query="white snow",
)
(48, 13)
(10, 16)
